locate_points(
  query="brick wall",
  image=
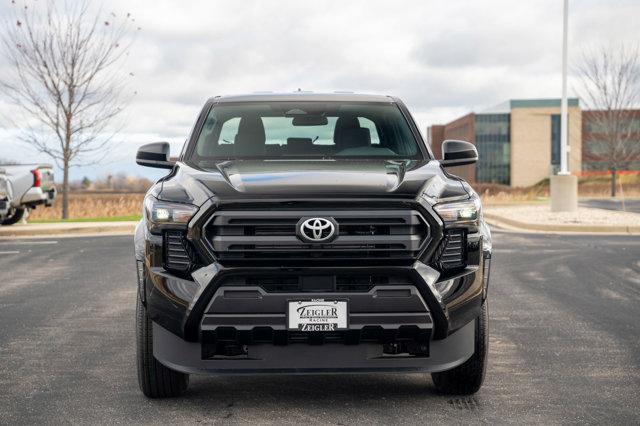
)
(592, 160)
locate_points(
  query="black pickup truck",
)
(310, 233)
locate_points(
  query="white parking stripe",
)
(25, 243)
(9, 252)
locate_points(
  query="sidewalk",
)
(66, 228)
(540, 218)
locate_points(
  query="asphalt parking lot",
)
(564, 345)
(632, 205)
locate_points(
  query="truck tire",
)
(467, 378)
(155, 380)
(15, 215)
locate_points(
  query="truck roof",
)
(303, 97)
(38, 165)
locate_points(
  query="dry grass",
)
(92, 205)
(600, 186)
(591, 187)
(502, 194)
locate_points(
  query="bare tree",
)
(610, 87)
(67, 79)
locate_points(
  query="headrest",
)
(344, 122)
(354, 138)
(250, 139)
(299, 145)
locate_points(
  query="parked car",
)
(309, 233)
(32, 185)
(5, 195)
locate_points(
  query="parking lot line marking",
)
(24, 243)
(10, 252)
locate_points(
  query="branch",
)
(65, 74)
(610, 87)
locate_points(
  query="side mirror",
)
(458, 153)
(155, 155)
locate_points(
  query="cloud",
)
(444, 58)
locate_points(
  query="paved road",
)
(565, 345)
(632, 205)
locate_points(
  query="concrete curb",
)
(64, 229)
(605, 229)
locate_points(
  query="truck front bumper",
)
(184, 356)
(184, 311)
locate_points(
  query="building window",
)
(493, 144)
(555, 140)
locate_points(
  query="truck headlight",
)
(467, 211)
(164, 213)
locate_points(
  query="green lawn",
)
(89, 219)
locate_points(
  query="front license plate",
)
(317, 315)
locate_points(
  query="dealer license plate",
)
(317, 315)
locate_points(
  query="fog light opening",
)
(444, 287)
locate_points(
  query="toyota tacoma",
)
(310, 233)
(24, 187)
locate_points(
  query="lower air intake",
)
(452, 253)
(176, 255)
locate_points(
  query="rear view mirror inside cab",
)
(310, 120)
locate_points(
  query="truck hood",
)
(304, 178)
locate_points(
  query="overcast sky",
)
(444, 58)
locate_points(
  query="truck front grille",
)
(362, 234)
(287, 283)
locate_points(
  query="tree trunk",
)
(65, 163)
(65, 191)
(613, 182)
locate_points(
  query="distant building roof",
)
(501, 108)
(507, 106)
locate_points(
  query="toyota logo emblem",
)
(317, 229)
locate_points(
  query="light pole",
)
(564, 132)
(564, 186)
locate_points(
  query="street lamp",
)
(564, 132)
(564, 186)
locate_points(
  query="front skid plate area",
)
(185, 356)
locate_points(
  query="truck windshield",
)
(282, 130)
